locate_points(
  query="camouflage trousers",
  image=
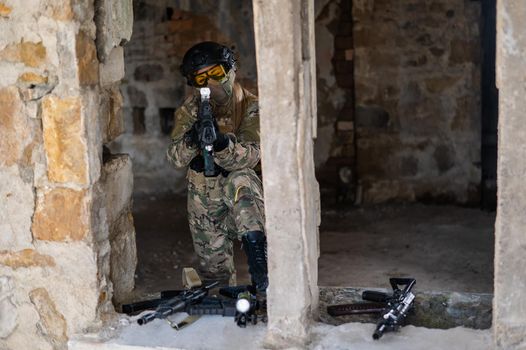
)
(220, 210)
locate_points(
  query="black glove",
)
(198, 164)
(191, 137)
(221, 141)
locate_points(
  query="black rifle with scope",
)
(393, 308)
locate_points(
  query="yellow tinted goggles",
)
(216, 72)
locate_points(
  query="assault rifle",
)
(392, 307)
(206, 132)
(177, 303)
(240, 302)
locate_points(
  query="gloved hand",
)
(221, 141)
(191, 137)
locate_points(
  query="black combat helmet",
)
(205, 54)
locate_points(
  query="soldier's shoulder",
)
(249, 96)
(189, 106)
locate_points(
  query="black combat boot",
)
(255, 246)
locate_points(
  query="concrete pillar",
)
(509, 306)
(285, 61)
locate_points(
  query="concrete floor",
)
(445, 248)
(223, 334)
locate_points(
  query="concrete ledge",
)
(441, 310)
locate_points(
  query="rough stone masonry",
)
(67, 242)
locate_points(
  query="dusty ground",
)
(445, 248)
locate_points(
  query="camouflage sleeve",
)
(243, 149)
(180, 153)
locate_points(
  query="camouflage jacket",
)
(239, 119)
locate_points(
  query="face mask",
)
(228, 83)
(222, 91)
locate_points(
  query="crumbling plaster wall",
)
(66, 232)
(417, 86)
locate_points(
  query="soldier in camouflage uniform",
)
(228, 205)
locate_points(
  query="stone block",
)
(383, 59)
(25, 258)
(182, 24)
(52, 323)
(64, 140)
(61, 214)
(371, 116)
(112, 70)
(59, 10)
(345, 125)
(123, 256)
(464, 51)
(8, 311)
(32, 78)
(440, 84)
(5, 11)
(368, 37)
(115, 125)
(15, 129)
(34, 86)
(117, 182)
(87, 63)
(16, 210)
(114, 20)
(29, 53)
(465, 118)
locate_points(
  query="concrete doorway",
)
(366, 237)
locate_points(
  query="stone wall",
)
(417, 82)
(65, 227)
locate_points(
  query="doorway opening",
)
(403, 172)
(398, 148)
(153, 89)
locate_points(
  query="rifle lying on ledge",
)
(393, 308)
(177, 304)
(241, 302)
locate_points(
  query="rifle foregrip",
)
(371, 295)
